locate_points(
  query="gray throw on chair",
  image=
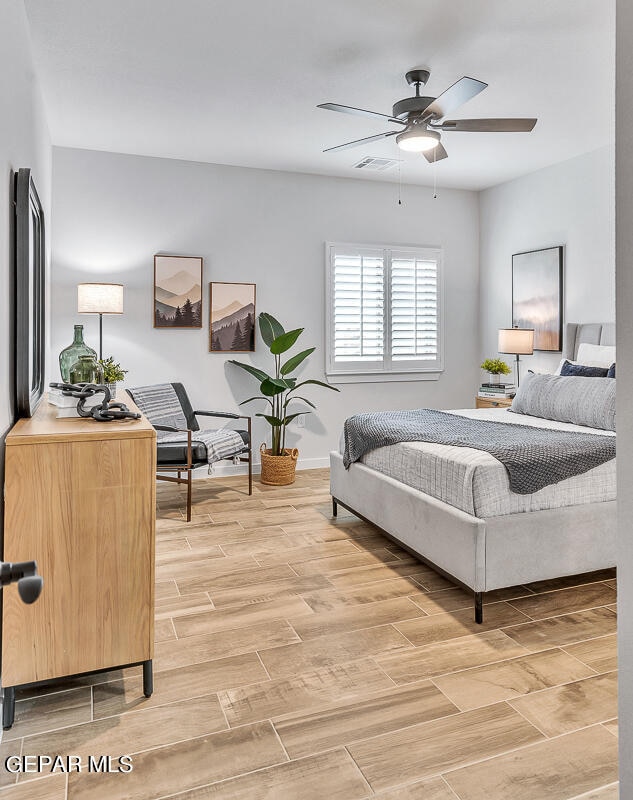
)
(161, 406)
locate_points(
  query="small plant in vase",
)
(495, 367)
(278, 390)
(112, 372)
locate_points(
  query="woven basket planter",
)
(278, 470)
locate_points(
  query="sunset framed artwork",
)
(232, 317)
(177, 291)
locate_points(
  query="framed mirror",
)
(30, 283)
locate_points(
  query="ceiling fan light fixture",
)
(417, 139)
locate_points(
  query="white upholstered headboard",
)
(589, 333)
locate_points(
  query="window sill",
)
(382, 377)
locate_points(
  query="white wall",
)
(24, 142)
(113, 212)
(624, 283)
(571, 203)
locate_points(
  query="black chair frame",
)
(245, 456)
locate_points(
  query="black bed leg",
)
(479, 607)
(8, 707)
(334, 507)
(148, 678)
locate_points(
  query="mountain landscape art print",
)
(232, 324)
(177, 291)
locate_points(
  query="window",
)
(384, 312)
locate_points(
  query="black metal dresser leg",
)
(479, 607)
(148, 678)
(334, 507)
(8, 707)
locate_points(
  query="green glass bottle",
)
(86, 370)
(69, 355)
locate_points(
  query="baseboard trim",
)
(222, 470)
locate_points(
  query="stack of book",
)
(56, 398)
(497, 390)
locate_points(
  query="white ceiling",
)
(238, 82)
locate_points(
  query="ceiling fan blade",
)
(359, 112)
(488, 125)
(456, 95)
(357, 142)
(436, 154)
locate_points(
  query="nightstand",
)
(491, 402)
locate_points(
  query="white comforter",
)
(475, 482)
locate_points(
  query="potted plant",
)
(278, 390)
(495, 367)
(112, 372)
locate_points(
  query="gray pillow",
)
(590, 401)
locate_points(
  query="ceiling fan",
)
(423, 118)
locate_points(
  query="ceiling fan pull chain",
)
(434, 176)
(399, 181)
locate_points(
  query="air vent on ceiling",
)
(376, 164)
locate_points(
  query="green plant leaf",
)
(112, 370)
(270, 387)
(496, 366)
(316, 383)
(290, 417)
(269, 328)
(305, 400)
(294, 362)
(285, 341)
(258, 373)
(257, 397)
(284, 383)
(275, 422)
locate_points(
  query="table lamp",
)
(100, 298)
(517, 342)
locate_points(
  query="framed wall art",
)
(232, 317)
(537, 296)
(177, 291)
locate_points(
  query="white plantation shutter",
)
(358, 313)
(414, 312)
(383, 314)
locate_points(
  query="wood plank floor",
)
(302, 657)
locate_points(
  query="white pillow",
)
(596, 355)
(591, 355)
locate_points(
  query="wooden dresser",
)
(79, 500)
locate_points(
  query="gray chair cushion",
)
(174, 453)
(590, 401)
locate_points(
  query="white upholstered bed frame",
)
(485, 554)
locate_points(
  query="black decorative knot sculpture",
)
(106, 411)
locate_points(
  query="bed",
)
(482, 538)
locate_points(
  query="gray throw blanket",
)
(533, 457)
(161, 406)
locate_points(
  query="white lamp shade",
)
(516, 341)
(100, 298)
